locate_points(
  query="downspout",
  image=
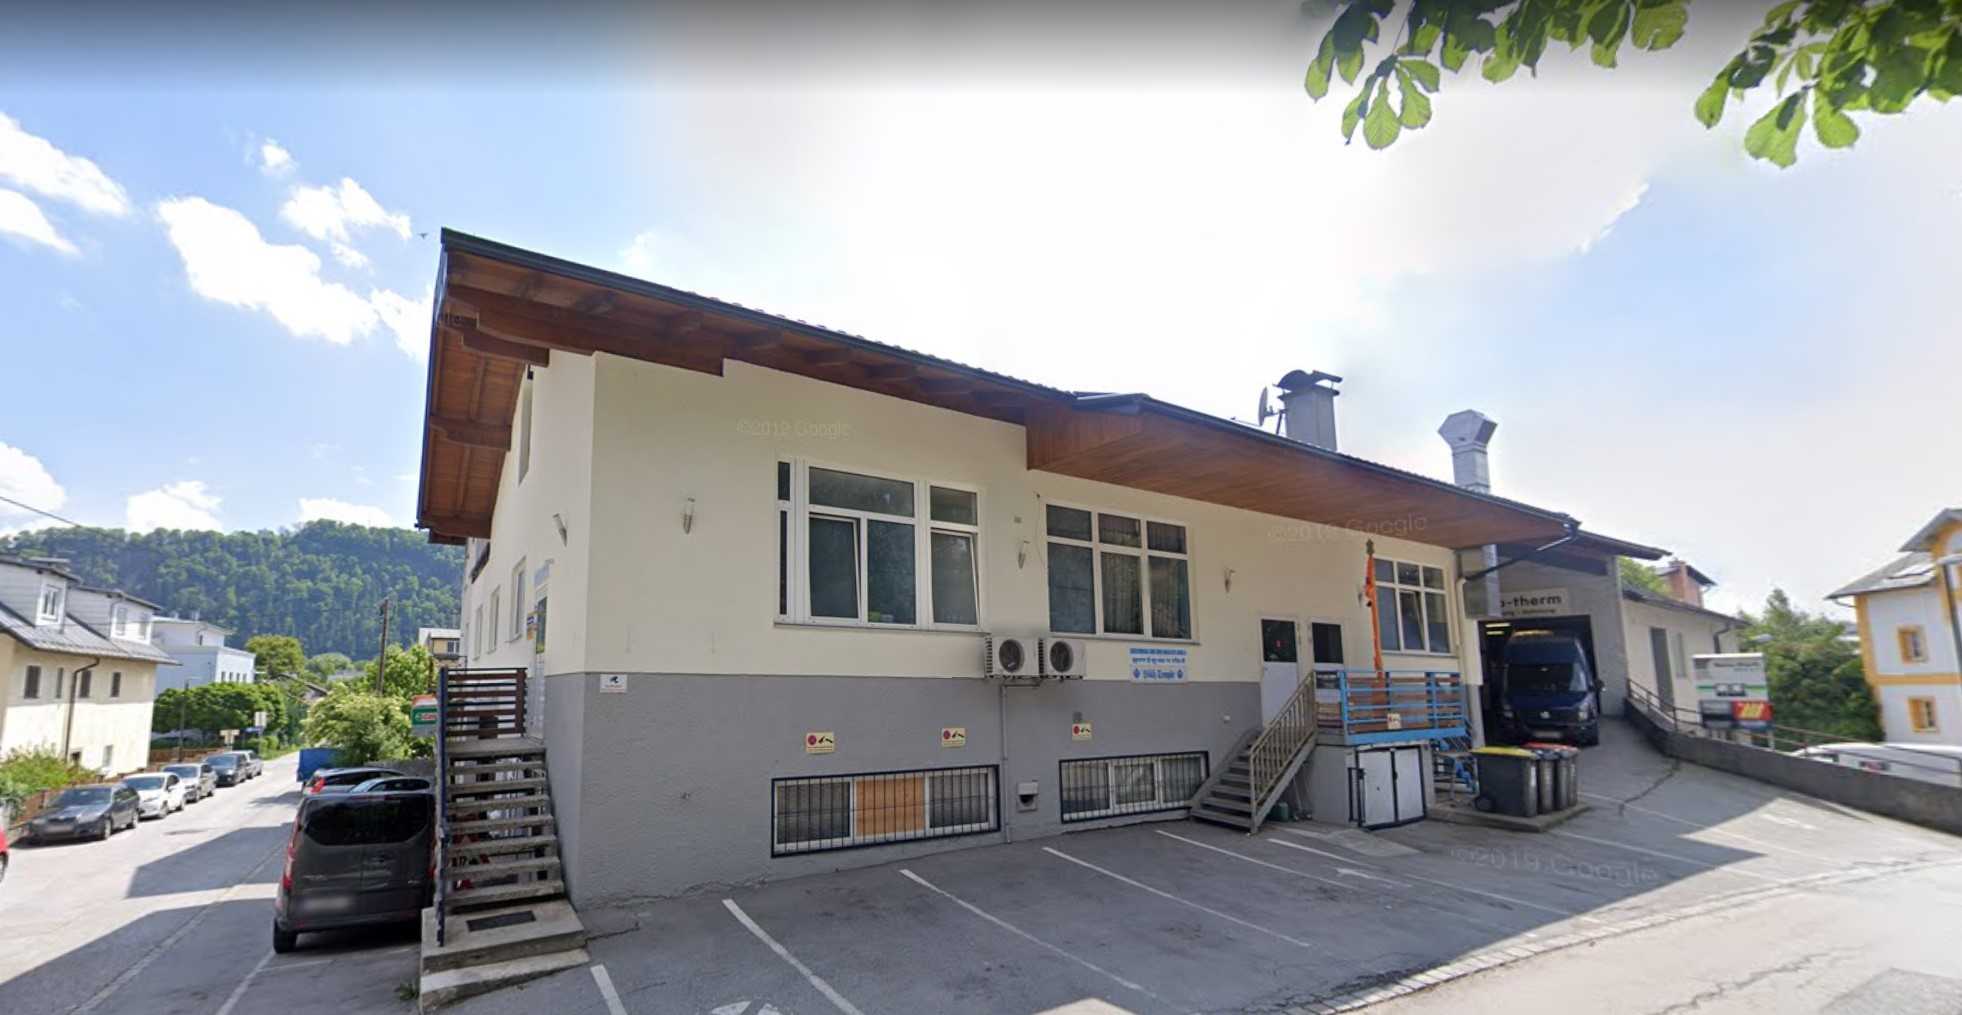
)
(1948, 600)
(74, 685)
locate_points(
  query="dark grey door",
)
(1665, 679)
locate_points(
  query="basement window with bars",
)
(1131, 784)
(816, 813)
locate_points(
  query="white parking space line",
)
(1337, 857)
(303, 963)
(1025, 935)
(784, 953)
(1263, 863)
(1168, 895)
(1719, 868)
(239, 991)
(1713, 830)
(605, 981)
(1494, 896)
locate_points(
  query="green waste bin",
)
(1508, 781)
(1560, 774)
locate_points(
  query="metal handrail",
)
(442, 798)
(1799, 737)
(1269, 756)
(1394, 700)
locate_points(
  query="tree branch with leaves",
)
(1825, 58)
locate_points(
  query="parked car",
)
(255, 766)
(3, 851)
(81, 812)
(355, 860)
(396, 784)
(1937, 763)
(158, 794)
(200, 779)
(230, 769)
(341, 780)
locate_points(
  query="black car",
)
(85, 812)
(231, 769)
(356, 860)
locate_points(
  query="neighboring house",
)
(444, 643)
(1910, 622)
(1663, 633)
(201, 650)
(773, 555)
(79, 671)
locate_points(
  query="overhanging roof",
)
(1924, 539)
(501, 310)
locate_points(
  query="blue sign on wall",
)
(1155, 665)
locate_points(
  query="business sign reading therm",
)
(1534, 603)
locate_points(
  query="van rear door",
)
(395, 871)
(327, 861)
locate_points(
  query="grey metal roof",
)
(1667, 603)
(73, 637)
(1910, 570)
(1920, 540)
(119, 594)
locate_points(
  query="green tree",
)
(1817, 682)
(1636, 574)
(279, 654)
(329, 664)
(410, 671)
(1825, 58)
(365, 726)
(214, 707)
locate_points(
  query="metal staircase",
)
(1260, 766)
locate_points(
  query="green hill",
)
(322, 582)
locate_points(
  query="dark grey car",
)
(85, 812)
(200, 779)
(231, 768)
(355, 860)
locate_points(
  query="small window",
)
(1914, 645)
(524, 428)
(119, 621)
(1921, 715)
(32, 687)
(478, 626)
(1413, 612)
(59, 673)
(116, 684)
(84, 683)
(1138, 784)
(52, 598)
(518, 601)
(496, 610)
(839, 812)
(108, 751)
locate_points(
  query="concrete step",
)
(503, 868)
(479, 805)
(503, 845)
(552, 927)
(463, 789)
(449, 985)
(499, 824)
(493, 894)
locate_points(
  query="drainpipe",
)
(1948, 600)
(75, 684)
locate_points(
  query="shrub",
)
(29, 770)
(365, 726)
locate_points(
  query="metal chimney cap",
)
(1467, 428)
(1301, 380)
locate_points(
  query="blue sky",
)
(1681, 347)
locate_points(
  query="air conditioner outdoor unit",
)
(1009, 658)
(1062, 658)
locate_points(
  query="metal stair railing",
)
(1276, 754)
(442, 802)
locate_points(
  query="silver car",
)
(158, 794)
(200, 779)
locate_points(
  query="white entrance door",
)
(1280, 667)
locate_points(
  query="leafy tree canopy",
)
(278, 654)
(1817, 682)
(1635, 573)
(330, 664)
(365, 726)
(214, 707)
(1825, 58)
(410, 671)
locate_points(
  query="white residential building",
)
(200, 648)
(1910, 625)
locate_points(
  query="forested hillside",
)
(322, 582)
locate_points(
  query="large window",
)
(1117, 574)
(1412, 610)
(862, 549)
(1106, 787)
(842, 811)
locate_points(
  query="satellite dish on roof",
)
(1267, 412)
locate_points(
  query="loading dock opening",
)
(1493, 635)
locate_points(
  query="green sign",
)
(422, 715)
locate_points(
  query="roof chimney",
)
(1308, 399)
(1469, 433)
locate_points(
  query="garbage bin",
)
(1559, 776)
(1508, 781)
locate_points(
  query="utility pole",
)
(183, 707)
(381, 661)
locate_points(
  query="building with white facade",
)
(1910, 628)
(80, 673)
(200, 650)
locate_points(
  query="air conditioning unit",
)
(1062, 658)
(1009, 658)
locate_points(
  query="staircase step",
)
(502, 845)
(504, 893)
(470, 766)
(478, 805)
(1229, 820)
(502, 868)
(1225, 792)
(462, 789)
(553, 927)
(498, 824)
(1213, 803)
(445, 986)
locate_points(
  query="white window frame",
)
(1143, 551)
(496, 611)
(928, 830)
(119, 620)
(524, 426)
(58, 594)
(518, 600)
(794, 517)
(1915, 725)
(1423, 604)
(477, 629)
(1158, 802)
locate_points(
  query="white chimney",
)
(1308, 399)
(1470, 434)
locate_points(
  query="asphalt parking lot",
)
(1179, 917)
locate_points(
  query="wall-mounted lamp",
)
(688, 515)
(1229, 578)
(560, 522)
(1022, 554)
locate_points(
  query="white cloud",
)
(20, 216)
(336, 212)
(313, 509)
(360, 476)
(274, 159)
(37, 165)
(348, 257)
(408, 319)
(227, 260)
(25, 479)
(188, 504)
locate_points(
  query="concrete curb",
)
(1478, 963)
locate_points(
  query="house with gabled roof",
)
(1909, 616)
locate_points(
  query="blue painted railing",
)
(1378, 706)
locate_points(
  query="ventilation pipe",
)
(1469, 434)
(1308, 399)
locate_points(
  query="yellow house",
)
(1910, 622)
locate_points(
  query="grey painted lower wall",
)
(1920, 803)
(665, 789)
